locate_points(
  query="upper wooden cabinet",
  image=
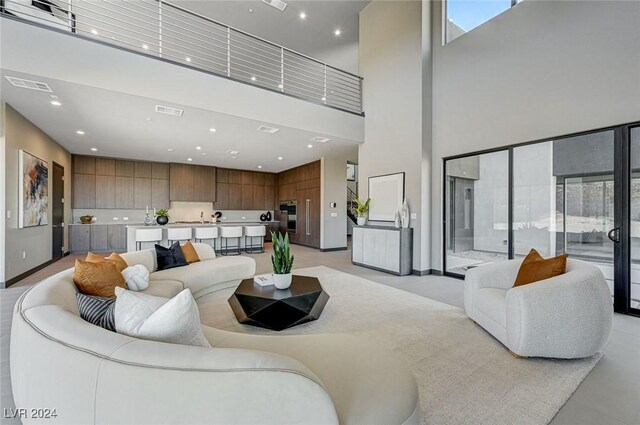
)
(124, 168)
(196, 183)
(160, 171)
(143, 169)
(105, 167)
(84, 164)
(245, 190)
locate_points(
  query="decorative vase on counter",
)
(282, 281)
(362, 221)
(268, 215)
(404, 214)
(162, 220)
(263, 217)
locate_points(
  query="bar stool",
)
(147, 235)
(179, 234)
(206, 234)
(254, 232)
(230, 232)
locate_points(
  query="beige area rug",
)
(464, 375)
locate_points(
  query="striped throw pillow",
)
(97, 310)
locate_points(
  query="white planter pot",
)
(282, 281)
(362, 221)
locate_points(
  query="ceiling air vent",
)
(320, 139)
(169, 110)
(28, 84)
(278, 4)
(266, 129)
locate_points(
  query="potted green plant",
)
(282, 260)
(162, 217)
(362, 208)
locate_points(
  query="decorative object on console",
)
(269, 216)
(282, 260)
(218, 215)
(388, 191)
(171, 257)
(97, 310)
(362, 208)
(162, 217)
(34, 191)
(535, 268)
(137, 277)
(175, 320)
(263, 217)
(99, 279)
(86, 219)
(404, 214)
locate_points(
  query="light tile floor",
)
(610, 395)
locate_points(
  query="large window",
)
(464, 15)
(477, 210)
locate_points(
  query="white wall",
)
(34, 241)
(397, 138)
(539, 70)
(2, 190)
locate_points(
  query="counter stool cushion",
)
(231, 231)
(255, 231)
(179, 233)
(203, 233)
(149, 235)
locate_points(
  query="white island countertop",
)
(205, 224)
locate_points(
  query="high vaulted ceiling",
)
(313, 36)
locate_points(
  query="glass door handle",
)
(614, 234)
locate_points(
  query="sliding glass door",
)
(578, 195)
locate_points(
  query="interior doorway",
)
(57, 219)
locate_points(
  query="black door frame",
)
(60, 254)
(622, 198)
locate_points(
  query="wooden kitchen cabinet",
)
(247, 197)
(195, 183)
(99, 238)
(235, 197)
(84, 164)
(160, 171)
(142, 169)
(124, 192)
(258, 198)
(84, 191)
(160, 193)
(105, 167)
(235, 176)
(106, 191)
(269, 198)
(116, 237)
(79, 237)
(247, 178)
(124, 168)
(308, 217)
(222, 195)
(142, 193)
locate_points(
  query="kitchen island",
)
(131, 231)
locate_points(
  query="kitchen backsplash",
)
(178, 211)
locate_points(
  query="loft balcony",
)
(170, 33)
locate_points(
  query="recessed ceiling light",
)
(56, 103)
(170, 150)
(253, 78)
(337, 32)
(213, 130)
(259, 166)
(303, 15)
(199, 148)
(94, 31)
(145, 46)
(189, 159)
(233, 152)
(204, 154)
(80, 132)
(279, 158)
(250, 10)
(94, 150)
(188, 59)
(309, 146)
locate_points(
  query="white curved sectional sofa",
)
(567, 316)
(94, 376)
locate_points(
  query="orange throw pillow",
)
(189, 252)
(535, 268)
(114, 258)
(99, 279)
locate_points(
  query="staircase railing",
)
(351, 203)
(164, 30)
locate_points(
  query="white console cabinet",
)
(387, 249)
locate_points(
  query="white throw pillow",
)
(175, 320)
(137, 277)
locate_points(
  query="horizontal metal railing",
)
(164, 30)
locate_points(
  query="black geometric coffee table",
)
(278, 309)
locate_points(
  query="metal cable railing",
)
(164, 30)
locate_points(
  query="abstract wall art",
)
(34, 191)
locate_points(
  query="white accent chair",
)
(148, 235)
(230, 232)
(252, 232)
(568, 316)
(179, 234)
(206, 234)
